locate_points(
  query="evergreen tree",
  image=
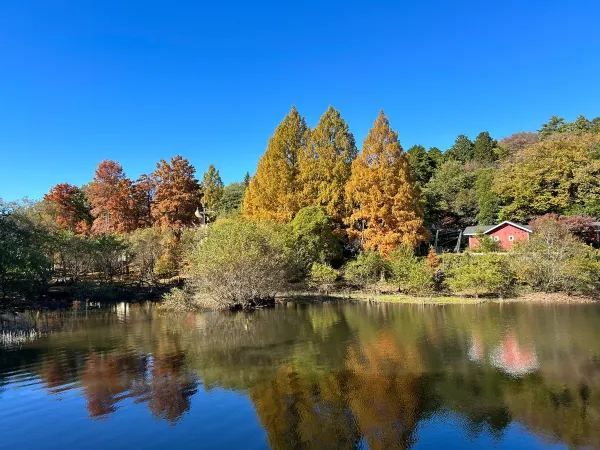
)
(325, 164)
(273, 191)
(421, 165)
(231, 200)
(462, 150)
(177, 193)
(484, 148)
(384, 201)
(436, 156)
(554, 125)
(246, 179)
(212, 187)
(487, 199)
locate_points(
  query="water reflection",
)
(332, 376)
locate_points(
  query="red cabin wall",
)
(503, 234)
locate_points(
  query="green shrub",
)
(413, 275)
(240, 264)
(367, 268)
(483, 274)
(323, 275)
(487, 244)
(553, 259)
(24, 254)
(310, 239)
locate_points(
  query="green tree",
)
(212, 188)
(554, 125)
(463, 149)
(450, 194)
(24, 261)
(311, 239)
(487, 200)
(231, 200)
(325, 164)
(421, 164)
(485, 148)
(273, 191)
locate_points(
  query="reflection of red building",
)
(505, 233)
(512, 358)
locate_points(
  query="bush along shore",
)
(240, 264)
(319, 217)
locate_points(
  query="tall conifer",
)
(272, 193)
(384, 201)
(325, 164)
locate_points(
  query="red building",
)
(505, 233)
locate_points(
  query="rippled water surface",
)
(302, 376)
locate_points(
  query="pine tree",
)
(386, 211)
(273, 191)
(325, 164)
(246, 179)
(212, 187)
(484, 148)
(462, 150)
(177, 193)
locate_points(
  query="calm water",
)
(299, 376)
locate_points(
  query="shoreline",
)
(404, 299)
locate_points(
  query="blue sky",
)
(137, 81)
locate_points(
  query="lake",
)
(319, 376)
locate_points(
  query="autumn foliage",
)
(177, 193)
(325, 163)
(273, 191)
(382, 197)
(112, 200)
(70, 208)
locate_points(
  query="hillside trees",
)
(559, 174)
(272, 193)
(382, 197)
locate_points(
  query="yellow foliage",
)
(382, 195)
(273, 192)
(325, 164)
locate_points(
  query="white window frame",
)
(511, 238)
(496, 238)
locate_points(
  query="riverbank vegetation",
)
(319, 214)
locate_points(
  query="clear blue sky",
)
(136, 81)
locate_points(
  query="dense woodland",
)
(318, 210)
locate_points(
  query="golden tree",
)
(272, 193)
(382, 197)
(177, 193)
(325, 164)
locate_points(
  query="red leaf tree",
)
(69, 207)
(177, 193)
(113, 201)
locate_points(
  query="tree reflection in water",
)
(339, 376)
